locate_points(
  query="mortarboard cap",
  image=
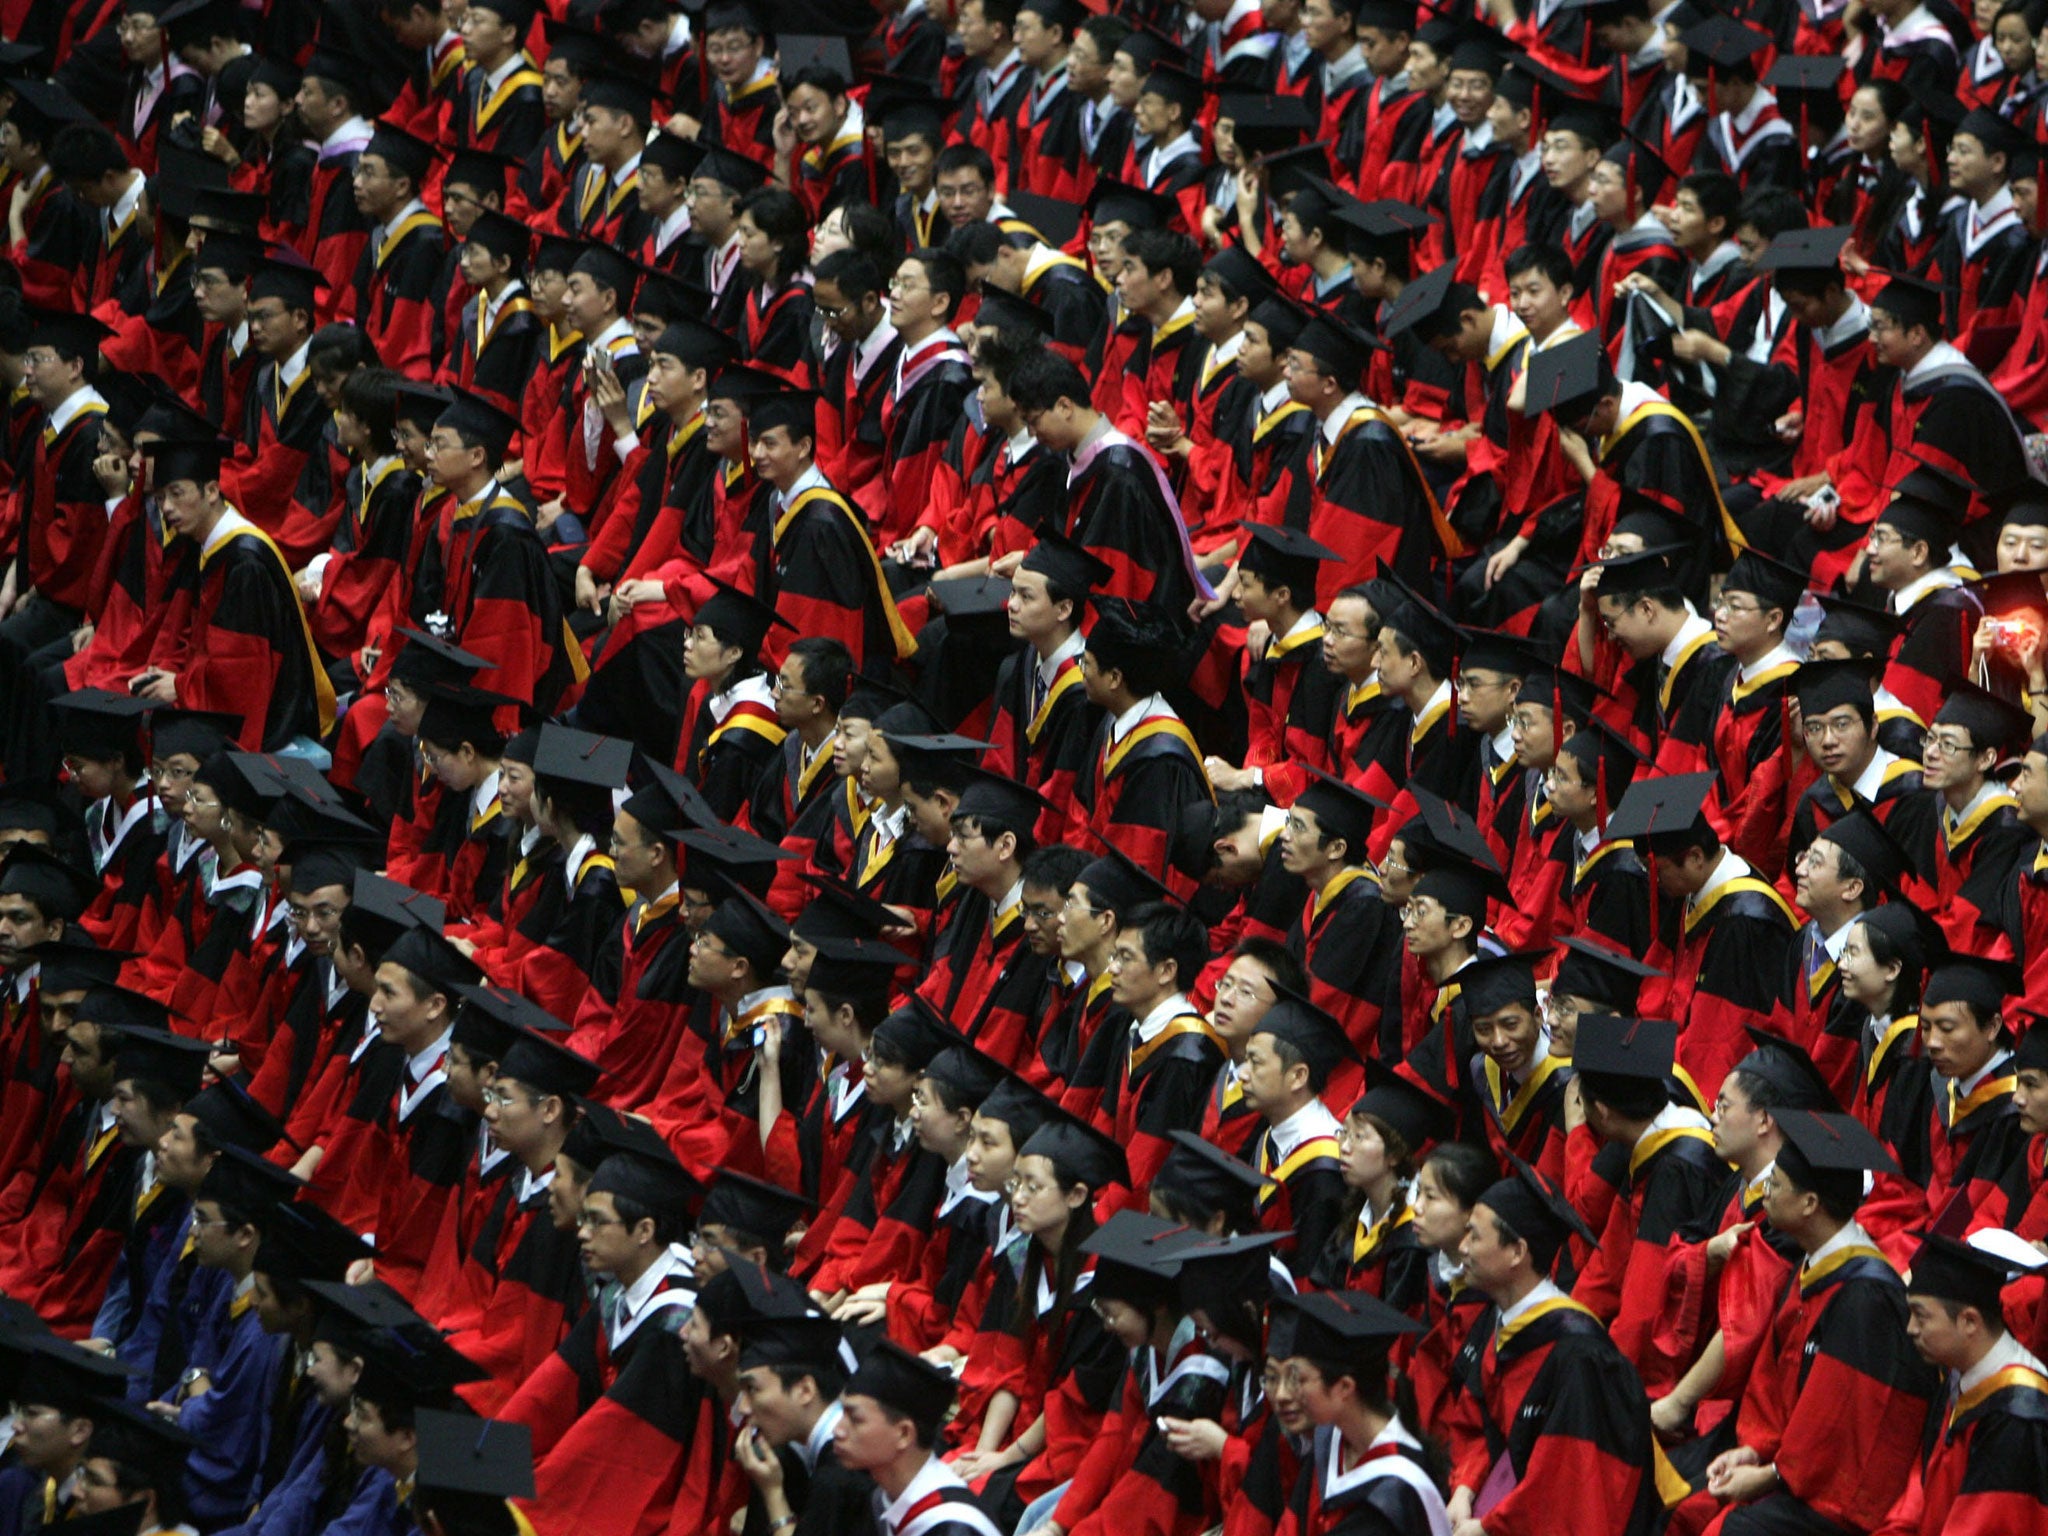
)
(480, 423)
(794, 410)
(1115, 202)
(458, 1453)
(231, 1118)
(736, 172)
(750, 930)
(791, 1343)
(1283, 556)
(1316, 1035)
(1828, 1154)
(799, 51)
(1171, 83)
(1666, 805)
(738, 618)
(247, 1182)
(158, 1056)
(694, 344)
(1209, 1173)
(400, 151)
(1605, 976)
(503, 236)
(1820, 686)
(544, 1066)
(1788, 1069)
(1079, 1153)
(1416, 1115)
(579, 757)
(98, 723)
(1911, 301)
(77, 1382)
(1773, 583)
(433, 960)
(285, 276)
(1341, 809)
(1489, 983)
(1567, 380)
(1119, 884)
(1864, 838)
(1981, 982)
(302, 1243)
(637, 1164)
(1722, 42)
(751, 1208)
(1340, 350)
(1351, 1327)
(1993, 723)
(907, 1386)
(1805, 250)
(1971, 1272)
(1612, 1046)
(58, 888)
(120, 1008)
(1537, 1211)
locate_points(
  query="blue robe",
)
(374, 1511)
(125, 1319)
(180, 1296)
(231, 1420)
(293, 1506)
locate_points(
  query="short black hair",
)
(975, 245)
(827, 667)
(1168, 932)
(1770, 211)
(944, 273)
(1166, 250)
(1550, 260)
(1055, 867)
(818, 77)
(955, 157)
(780, 215)
(1718, 194)
(371, 396)
(86, 152)
(1045, 378)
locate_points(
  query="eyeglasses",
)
(1729, 605)
(590, 1221)
(1945, 746)
(780, 685)
(1075, 903)
(1831, 725)
(499, 1098)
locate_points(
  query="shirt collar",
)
(804, 482)
(1940, 355)
(1983, 1074)
(1126, 721)
(1855, 321)
(1871, 779)
(579, 850)
(870, 347)
(2008, 1351)
(398, 218)
(931, 1477)
(1334, 423)
(1049, 666)
(1541, 1292)
(820, 1438)
(641, 1291)
(503, 72)
(1169, 1009)
(124, 205)
(1851, 1235)
(481, 797)
(68, 410)
(1732, 866)
(1940, 579)
(1693, 627)
(1776, 656)
(1311, 1120)
(352, 135)
(423, 1061)
(1672, 1117)
(531, 1183)
(289, 370)
(1504, 744)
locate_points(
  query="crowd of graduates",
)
(1023, 768)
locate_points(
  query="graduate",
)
(791, 1377)
(1516, 1074)
(1344, 935)
(392, 286)
(1042, 720)
(1979, 1471)
(1797, 1456)
(1535, 1346)
(1974, 1139)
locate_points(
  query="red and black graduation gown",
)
(1980, 1471)
(504, 602)
(1165, 365)
(1159, 1086)
(76, 1223)
(1128, 1473)
(775, 327)
(827, 175)
(1902, 807)
(1071, 294)
(577, 952)
(336, 230)
(1370, 501)
(742, 117)
(1946, 413)
(525, 1278)
(851, 437)
(1838, 1394)
(1986, 257)
(1560, 1403)
(55, 262)
(498, 359)
(947, 1287)
(394, 291)
(604, 207)
(225, 376)
(1042, 732)
(824, 579)
(158, 329)
(1526, 1118)
(362, 588)
(1046, 155)
(126, 843)
(281, 429)
(1975, 855)
(1135, 785)
(1674, 1193)
(917, 413)
(1289, 696)
(506, 120)
(429, 1148)
(1349, 942)
(1122, 511)
(1076, 1008)
(1976, 1149)
(640, 1035)
(729, 738)
(247, 651)
(60, 508)
(1730, 953)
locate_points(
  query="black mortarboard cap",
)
(122, 1008)
(579, 757)
(1537, 1211)
(1341, 809)
(1723, 42)
(72, 963)
(427, 658)
(1864, 838)
(1791, 1073)
(791, 1343)
(1340, 350)
(433, 960)
(1425, 305)
(403, 153)
(1911, 301)
(545, 1066)
(1078, 1152)
(58, 888)
(1284, 556)
(247, 1181)
(1805, 250)
(637, 1164)
(158, 1056)
(1828, 1154)
(737, 172)
(1772, 582)
(284, 276)
(1991, 721)
(694, 344)
(1610, 1045)
(231, 1118)
(801, 50)
(747, 1205)
(77, 1382)
(1115, 202)
(1488, 983)
(502, 235)
(1978, 980)
(459, 1453)
(1210, 1173)
(475, 417)
(1664, 805)
(302, 1243)
(1568, 379)
(738, 617)
(906, 1385)
(1348, 1327)
(745, 925)
(1820, 686)
(1971, 1272)
(98, 723)
(1118, 882)
(1458, 868)
(794, 410)
(1418, 1116)
(1317, 1035)
(1865, 631)
(1607, 976)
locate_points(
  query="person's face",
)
(2023, 547)
(214, 1243)
(46, 1439)
(889, 1083)
(332, 1374)
(607, 1244)
(1439, 1219)
(1106, 247)
(179, 1158)
(561, 89)
(1869, 130)
(1361, 1153)
(778, 1412)
(1429, 927)
(1137, 982)
(708, 1354)
(1426, 71)
(1269, 1083)
(1971, 171)
(1244, 996)
(1610, 193)
(402, 1013)
(1938, 1336)
(965, 197)
(137, 1121)
(673, 384)
(1157, 117)
(725, 429)
(1509, 1036)
(21, 926)
(1489, 1262)
(1509, 122)
(705, 656)
(2030, 1100)
(2030, 787)
(1633, 626)
(850, 748)
(1123, 1322)
(1470, 95)
(1485, 697)
(1949, 759)
(732, 54)
(780, 456)
(1864, 981)
(1896, 347)
(979, 858)
(1786, 1206)
(370, 1442)
(1349, 637)
(142, 40)
(1301, 843)
(814, 116)
(1321, 25)
(912, 301)
(1688, 221)
(51, 378)
(590, 306)
(1818, 876)
(1037, 1202)
(1032, 613)
(1567, 160)
(1038, 44)
(1215, 316)
(938, 1129)
(991, 1155)
(1743, 625)
(1386, 52)
(843, 317)
(1538, 302)
(636, 855)
(866, 1436)
(485, 34)
(911, 159)
(1738, 1124)
(1083, 925)
(1955, 1043)
(1087, 69)
(713, 966)
(714, 209)
(378, 190)
(1397, 876)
